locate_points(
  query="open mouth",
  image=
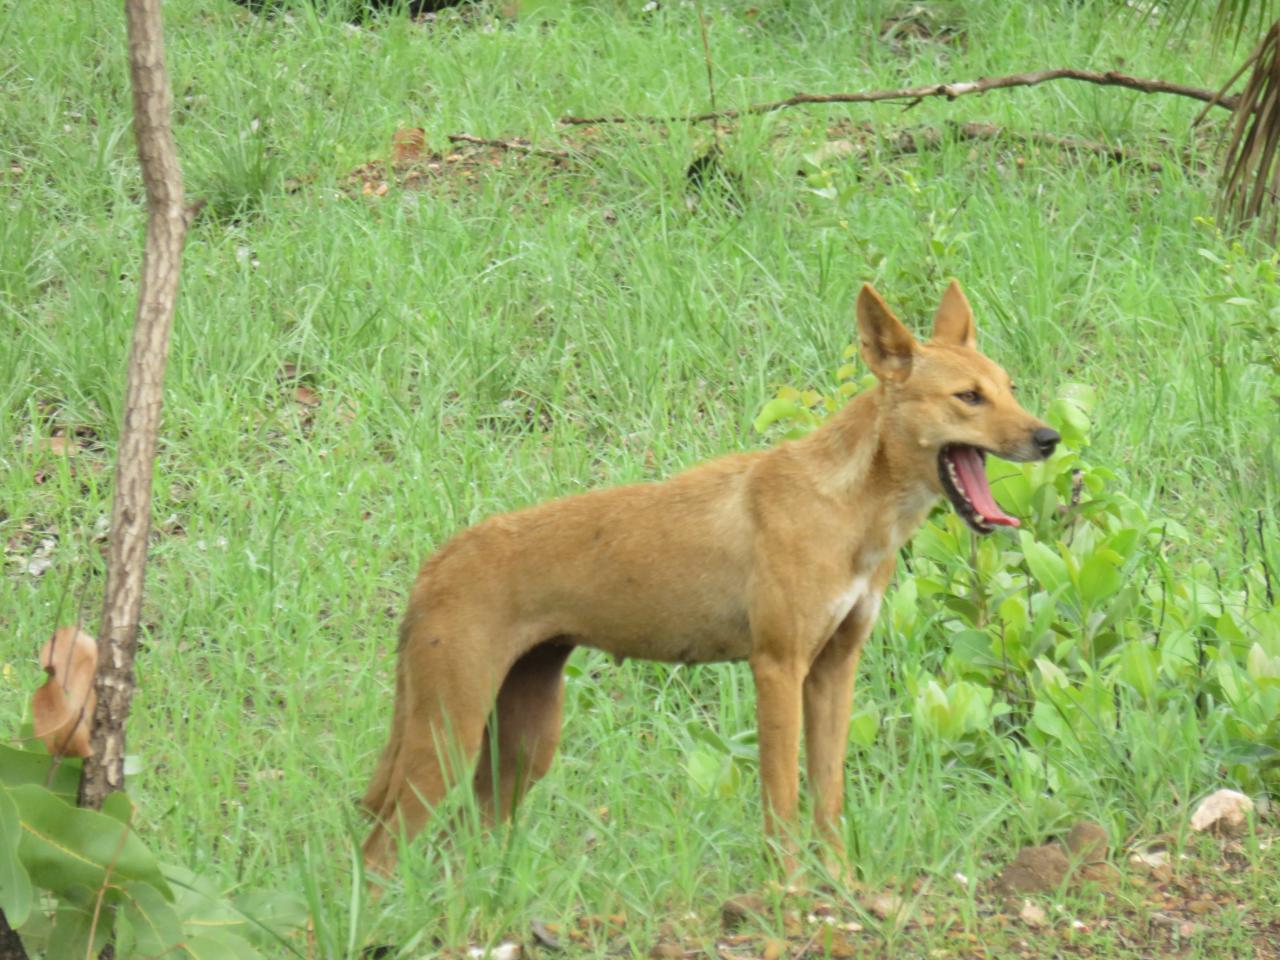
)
(963, 472)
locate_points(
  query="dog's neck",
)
(862, 468)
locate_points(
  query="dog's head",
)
(947, 406)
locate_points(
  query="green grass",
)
(637, 335)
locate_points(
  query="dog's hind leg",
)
(446, 685)
(523, 730)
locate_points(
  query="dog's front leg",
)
(779, 693)
(828, 696)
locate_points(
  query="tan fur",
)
(778, 557)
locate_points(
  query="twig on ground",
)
(911, 141)
(519, 146)
(913, 95)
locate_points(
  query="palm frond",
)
(1250, 174)
(1229, 20)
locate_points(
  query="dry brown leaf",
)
(1033, 915)
(407, 144)
(62, 708)
(61, 446)
(1222, 812)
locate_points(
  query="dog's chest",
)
(846, 599)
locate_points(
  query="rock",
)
(1033, 915)
(503, 951)
(1223, 812)
(884, 905)
(1035, 870)
(1087, 842)
(1151, 859)
(1155, 862)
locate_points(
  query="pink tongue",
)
(973, 477)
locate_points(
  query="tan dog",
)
(778, 557)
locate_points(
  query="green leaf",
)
(1261, 667)
(703, 767)
(200, 903)
(1045, 565)
(76, 933)
(155, 925)
(700, 731)
(15, 886)
(973, 648)
(279, 911)
(1082, 395)
(1070, 421)
(119, 807)
(864, 725)
(21, 767)
(1048, 720)
(66, 848)
(217, 946)
(1100, 577)
(1138, 663)
(777, 409)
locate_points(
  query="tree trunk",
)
(11, 947)
(167, 222)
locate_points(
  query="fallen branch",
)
(913, 95)
(518, 146)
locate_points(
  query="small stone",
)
(1033, 915)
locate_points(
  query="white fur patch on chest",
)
(845, 600)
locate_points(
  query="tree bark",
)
(11, 947)
(167, 222)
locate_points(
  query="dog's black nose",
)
(1046, 439)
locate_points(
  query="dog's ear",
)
(953, 323)
(887, 346)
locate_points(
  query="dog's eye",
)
(971, 397)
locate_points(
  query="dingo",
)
(777, 557)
